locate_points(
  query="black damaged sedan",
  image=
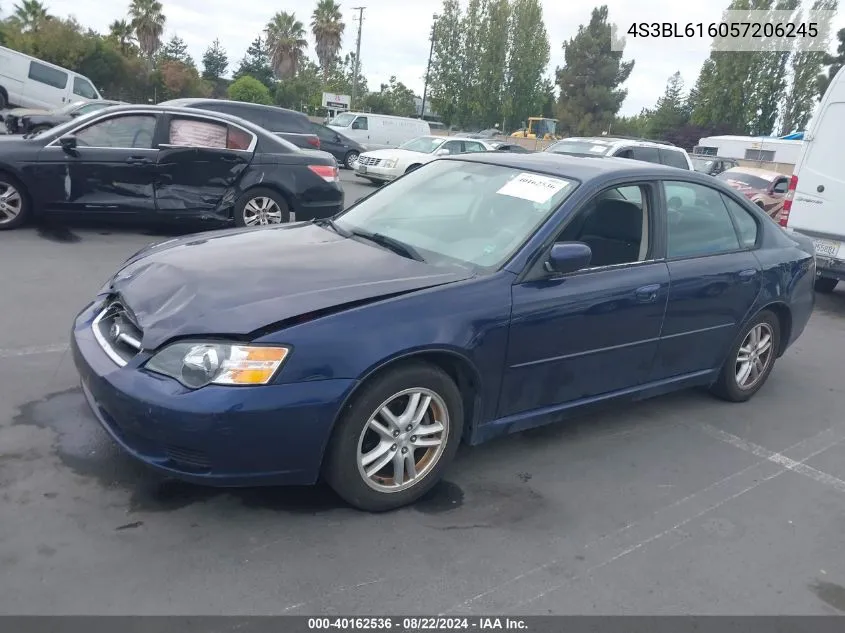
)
(154, 163)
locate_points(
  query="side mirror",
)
(68, 143)
(568, 257)
(442, 152)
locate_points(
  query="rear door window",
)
(48, 75)
(208, 134)
(648, 154)
(673, 158)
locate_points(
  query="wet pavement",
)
(682, 504)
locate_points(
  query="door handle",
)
(746, 276)
(138, 160)
(647, 294)
(229, 159)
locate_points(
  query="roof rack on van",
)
(637, 138)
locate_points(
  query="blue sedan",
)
(478, 296)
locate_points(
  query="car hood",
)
(742, 188)
(236, 282)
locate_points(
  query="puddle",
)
(85, 448)
(56, 233)
(830, 593)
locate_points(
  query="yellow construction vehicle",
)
(538, 127)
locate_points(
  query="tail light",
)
(326, 172)
(787, 203)
(315, 141)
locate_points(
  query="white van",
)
(379, 131)
(28, 82)
(815, 202)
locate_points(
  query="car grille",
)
(188, 458)
(369, 161)
(117, 333)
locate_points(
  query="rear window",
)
(579, 147)
(673, 158)
(48, 75)
(745, 179)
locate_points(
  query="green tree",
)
(214, 61)
(833, 62)
(256, 63)
(445, 78)
(327, 27)
(671, 111)
(493, 62)
(175, 50)
(286, 43)
(805, 67)
(469, 106)
(122, 33)
(591, 78)
(304, 90)
(147, 18)
(30, 15)
(392, 98)
(249, 89)
(637, 125)
(527, 61)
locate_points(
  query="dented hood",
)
(238, 281)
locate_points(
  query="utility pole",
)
(360, 11)
(428, 68)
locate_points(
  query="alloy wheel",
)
(11, 202)
(754, 356)
(351, 160)
(403, 440)
(261, 211)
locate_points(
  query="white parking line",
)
(13, 352)
(777, 458)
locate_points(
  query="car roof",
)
(252, 127)
(754, 171)
(583, 168)
(258, 106)
(615, 140)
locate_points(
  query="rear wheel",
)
(351, 159)
(393, 443)
(825, 285)
(750, 359)
(14, 203)
(261, 206)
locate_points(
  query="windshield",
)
(342, 120)
(455, 212)
(424, 144)
(702, 164)
(579, 147)
(544, 126)
(754, 182)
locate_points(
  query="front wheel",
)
(825, 285)
(261, 206)
(14, 203)
(750, 360)
(393, 443)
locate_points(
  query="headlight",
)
(199, 363)
(390, 163)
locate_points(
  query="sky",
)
(395, 36)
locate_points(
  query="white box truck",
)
(815, 202)
(27, 82)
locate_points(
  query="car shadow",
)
(72, 231)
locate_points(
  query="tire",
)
(412, 168)
(728, 386)
(261, 206)
(354, 438)
(825, 285)
(350, 159)
(15, 207)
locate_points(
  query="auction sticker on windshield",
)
(533, 187)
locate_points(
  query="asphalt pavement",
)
(679, 505)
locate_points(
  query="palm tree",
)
(30, 14)
(327, 27)
(286, 43)
(148, 21)
(123, 33)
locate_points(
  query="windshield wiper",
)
(400, 248)
(333, 226)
